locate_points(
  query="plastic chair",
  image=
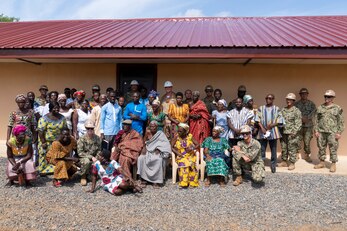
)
(175, 165)
(133, 167)
(202, 165)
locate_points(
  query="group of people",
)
(119, 137)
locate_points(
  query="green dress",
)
(217, 165)
(160, 118)
(51, 129)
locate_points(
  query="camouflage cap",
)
(291, 96)
(245, 129)
(89, 124)
(242, 88)
(330, 93)
(303, 90)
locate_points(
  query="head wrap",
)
(20, 97)
(156, 102)
(19, 129)
(154, 122)
(196, 93)
(61, 96)
(247, 98)
(80, 92)
(153, 93)
(219, 129)
(184, 126)
(222, 101)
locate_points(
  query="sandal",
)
(9, 184)
(207, 183)
(56, 183)
(137, 189)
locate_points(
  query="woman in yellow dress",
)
(184, 146)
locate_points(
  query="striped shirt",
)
(268, 115)
(237, 119)
(179, 113)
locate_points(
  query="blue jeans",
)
(273, 148)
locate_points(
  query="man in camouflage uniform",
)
(328, 126)
(88, 146)
(247, 155)
(292, 126)
(308, 110)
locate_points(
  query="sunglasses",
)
(269, 98)
(328, 96)
(90, 128)
(208, 90)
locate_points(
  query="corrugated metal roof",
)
(317, 31)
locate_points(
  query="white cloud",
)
(224, 14)
(191, 13)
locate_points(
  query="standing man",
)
(42, 99)
(268, 118)
(308, 110)
(328, 127)
(95, 115)
(110, 120)
(88, 146)
(208, 100)
(137, 112)
(290, 134)
(134, 87)
(169, 94)
(241, 92)
(247, 155)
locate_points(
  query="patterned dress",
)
(51, 129)
(63, 169)
(217, 165)
(160, 118)
(110, 177)
(187, 172)
(179, 113)
(18, 117)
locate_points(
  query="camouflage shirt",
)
(308, 110)
(88, 148)
(251, 150)
(329, 119)
(292, 120)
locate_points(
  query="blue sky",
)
(29, 10)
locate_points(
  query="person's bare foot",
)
(156, 186)
(207, 183)
(9, 184)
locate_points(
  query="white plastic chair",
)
(133, 167)
(202, 165)
(175, 165)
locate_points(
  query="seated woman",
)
(184, 146)
(214, 149)
(60, 154)
(19, 152)
(152, 161)
(114, 179)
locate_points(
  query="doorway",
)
(145, 74)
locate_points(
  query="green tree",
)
(5, 18)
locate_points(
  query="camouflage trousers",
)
(305, 135)
(257, 168)
(323, 141)
(289, 145)
(86, 165)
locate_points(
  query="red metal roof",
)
(317, 31)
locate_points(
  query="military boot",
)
(283, 164)
(320, 165)
(291, 166)
(308, 158)
(333, 167)
(237, 181)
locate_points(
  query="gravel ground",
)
(285, 202)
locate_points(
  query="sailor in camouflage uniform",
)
(247, 155)
(308, 110)
(88, 146)
(328, 126)
(292, 126)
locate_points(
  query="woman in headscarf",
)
(214, 150)
(219, 117)
(78, 99)
(24, 117)
(19, 152)
(60, 154)
(79, 118)
(65, 111)
(49, 128)
(157, 115)
(153, 95)
(184, 147)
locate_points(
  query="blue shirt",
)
(110, 119)
(139, 110)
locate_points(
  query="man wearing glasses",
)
(328, 126)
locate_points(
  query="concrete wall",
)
(259, 79)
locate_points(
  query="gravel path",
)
(286, 202)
